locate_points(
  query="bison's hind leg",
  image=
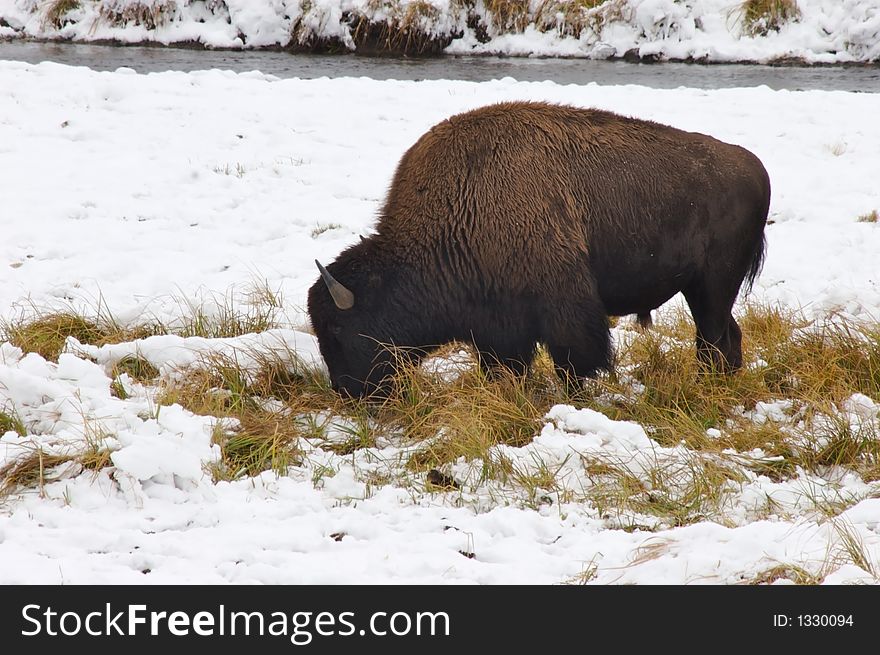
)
(718, 338)
(723, 351)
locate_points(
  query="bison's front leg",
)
(514, 359)
(578, 339)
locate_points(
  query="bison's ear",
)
(343, 298)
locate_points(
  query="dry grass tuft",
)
(56, 12)
(787, 572)
(847, 548)
(136, 368)
(390, 28)
(760, 17)
(573, 17)
(377, 27)
(33, 470)
(306, 28)
(814, 365)
(151, 14)
(872, 216)
(38, 468)
(263, 435)
(508, 16)
(467, 418)
(257, 309)
(45, 335)
(851, 549)
(10, 422)
(673, 492)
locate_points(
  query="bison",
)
(522, 223)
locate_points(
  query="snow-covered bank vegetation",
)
(807, 31)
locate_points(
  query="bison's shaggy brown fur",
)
(520, 223)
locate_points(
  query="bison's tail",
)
(756, 264)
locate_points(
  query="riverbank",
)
(669, 75)
(807, 32)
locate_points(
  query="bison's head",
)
(357, 320)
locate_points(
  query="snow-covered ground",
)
(135, 191)
(824, 31)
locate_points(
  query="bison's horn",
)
(343, 298)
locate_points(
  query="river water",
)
(146, 59)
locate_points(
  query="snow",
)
(133, 192)
(827, 31)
